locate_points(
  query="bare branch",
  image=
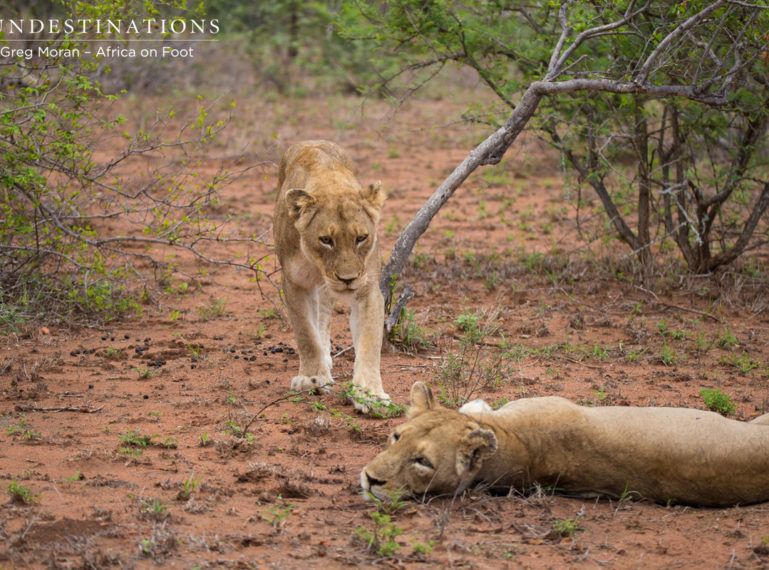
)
(555, 63)
(748, 5)
(688, 24)
(554, 70)
(609, 86)
(729, 255)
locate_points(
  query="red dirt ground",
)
(72, 400)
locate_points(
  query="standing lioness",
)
(325, 231)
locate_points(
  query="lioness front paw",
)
(316, 383)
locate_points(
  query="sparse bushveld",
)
(145, 416)
(633, 121)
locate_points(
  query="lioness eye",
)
(325, 240)
(395, 437)
(424, 462)
(361, 239)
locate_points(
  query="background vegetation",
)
(678, 163)
(84, 232)
(661, 109)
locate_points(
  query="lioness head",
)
(437, 451)
(337, 230)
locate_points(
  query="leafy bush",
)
(85, 228)
(717, 401)
(289, 41)
(20, 494)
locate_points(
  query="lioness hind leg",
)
(366, 326)
(304, 312)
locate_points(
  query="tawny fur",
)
(325, 230)
(669, 455)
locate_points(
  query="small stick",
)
(82, 409)
(395, 313)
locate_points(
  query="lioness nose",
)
(372, 481)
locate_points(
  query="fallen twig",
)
(82, 409)
(255, 416)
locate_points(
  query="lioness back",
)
(302, 159)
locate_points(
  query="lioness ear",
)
(298, 201)
(421, 398)
(374, 194)
(473, 450)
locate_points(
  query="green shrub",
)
(473, 363)
(295, 46)
(381, 538)
(81, 231)
(20, 494)
(717, 401)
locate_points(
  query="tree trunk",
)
(644, 187)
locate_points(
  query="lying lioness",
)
(672, 455)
